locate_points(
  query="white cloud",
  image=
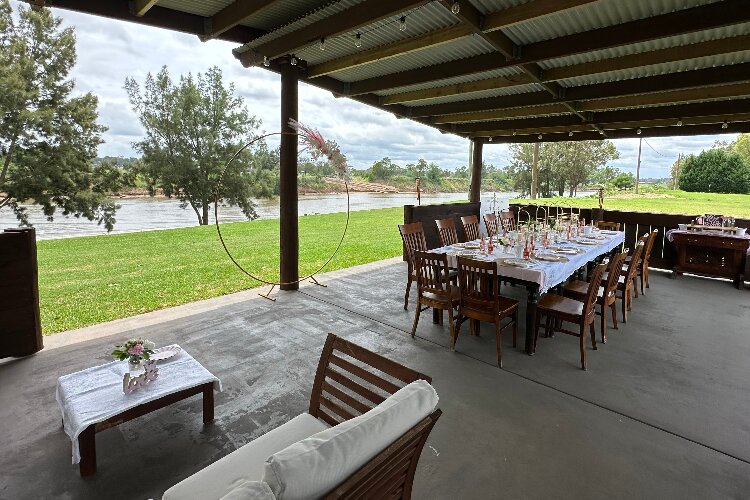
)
(110, 51)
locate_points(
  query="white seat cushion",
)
(250, 490)
(314, 466)
(244, 464)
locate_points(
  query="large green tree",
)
(715, 171)
(193, 129)
(48, 137)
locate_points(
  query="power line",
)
(652, 148)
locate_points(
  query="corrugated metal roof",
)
(453, 51)
(470, 96)
(205, 8)
(280, 13)
(490, 6)
(452, 81)
(596, 15)
(431, 17)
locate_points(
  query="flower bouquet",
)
(134, 350)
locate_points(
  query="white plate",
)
(550, 258)
(471, 244)
(608, 232)
(166, 352)
(515, 263)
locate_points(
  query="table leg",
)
(87, 448)
(208, 401)
(531, 301)
(436, 313)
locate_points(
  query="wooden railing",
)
(634, 224)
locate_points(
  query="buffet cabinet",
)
(718, 255)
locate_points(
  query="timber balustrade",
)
(634, 224)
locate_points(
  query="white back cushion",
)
(250, 490)
(314, 466)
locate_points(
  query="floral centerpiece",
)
(134, 350)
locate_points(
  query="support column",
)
(476, 171)
(288, 212)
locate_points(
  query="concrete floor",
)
(661, 412)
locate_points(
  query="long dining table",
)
(539, 276)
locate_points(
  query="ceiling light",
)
(539, 137)
(724, 125)
(358, 40)
(402, 25)
(455, 8)
(293, 60)
(570, 134)
(679, 123)
(266, 62)
(490, 139)
(323, 43)
(638, 131)
(514, 132)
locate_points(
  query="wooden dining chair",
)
(447, 231)
(508, 220)
(480, 300)
(643, 239)
(434, 288)
(627, 285)
(490, 222)
(611, 226)
(558, 309)
(607, 295)
(471, 227)
(642, 270)
(413, 237)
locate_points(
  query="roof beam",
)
(140, 7)
(233, 14)
(683, 80)
(665, 25)
(499, 114)
(364, 13)
(459, 88)
(494, 21)
(158, 17)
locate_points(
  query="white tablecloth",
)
(545, 274)
(95, 394)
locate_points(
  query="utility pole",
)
(535, 172)
(638, 168)
(676, 172)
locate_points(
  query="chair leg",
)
(499, 341)
(645, 272)
(515, 327)
(625, 294)
(441, 316)
(537, 324)
(406, 295)
(459, 320)
(416, 319)
(451, 326)
(614, 313)
(592, 332)
(604, 323)
(477, 326)
(583, 344)
(548, 326)
(634, 286)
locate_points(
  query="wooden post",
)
(535, 173)
(476, 171)
(288, 212)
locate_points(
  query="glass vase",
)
(135, 367)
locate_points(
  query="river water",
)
(145, 214)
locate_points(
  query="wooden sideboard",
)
(717, 255)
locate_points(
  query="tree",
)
(48, 139)
(383, 170)
(742, 147)
(716, 171)
(193, 128)
(625, 180)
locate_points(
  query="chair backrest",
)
(447, 231)
(649, 245)
(432, 274)
(615, 271)
(612, 226)
(477, 282)
(413, 237)
(634, 261)
(490, 222)
(352, 380)
(508, 220)
(471, 227)
(591, 294)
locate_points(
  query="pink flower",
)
(319, 147)
(136, 350)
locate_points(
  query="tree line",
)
(725, 168)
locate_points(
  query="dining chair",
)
(434, 288)
(642, 270)
(413, 237)
(558, 309)
(607, 295)
(447, 231)
(480, 300)
(471, 227)
(508, 220)
(611, 226)
(627, 282)
(490, 222)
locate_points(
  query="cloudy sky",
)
(110, 51)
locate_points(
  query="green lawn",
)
(678, 202)
(88, 280)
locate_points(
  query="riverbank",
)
(89, 280)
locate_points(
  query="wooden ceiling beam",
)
(233, 14)
(661, 83)
(159, 17)
(675, 23)
(529, 10)
(364, 13)
(499, 114)
(140, 7)
(459, 88)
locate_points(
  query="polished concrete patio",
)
(661, 412)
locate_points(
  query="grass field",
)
(676, 202)
(88, 280)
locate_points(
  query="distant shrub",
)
(715, 171)
(625, 180)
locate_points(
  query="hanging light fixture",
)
(358, 40)
(679, 123)
(266, 62)
(514, 132)
(322, 43)
(293, 60)
(402, 23)
(455, 8)
(724, 125)
(638, 131)
(490, 139)
(539, 137)
(570, 134)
